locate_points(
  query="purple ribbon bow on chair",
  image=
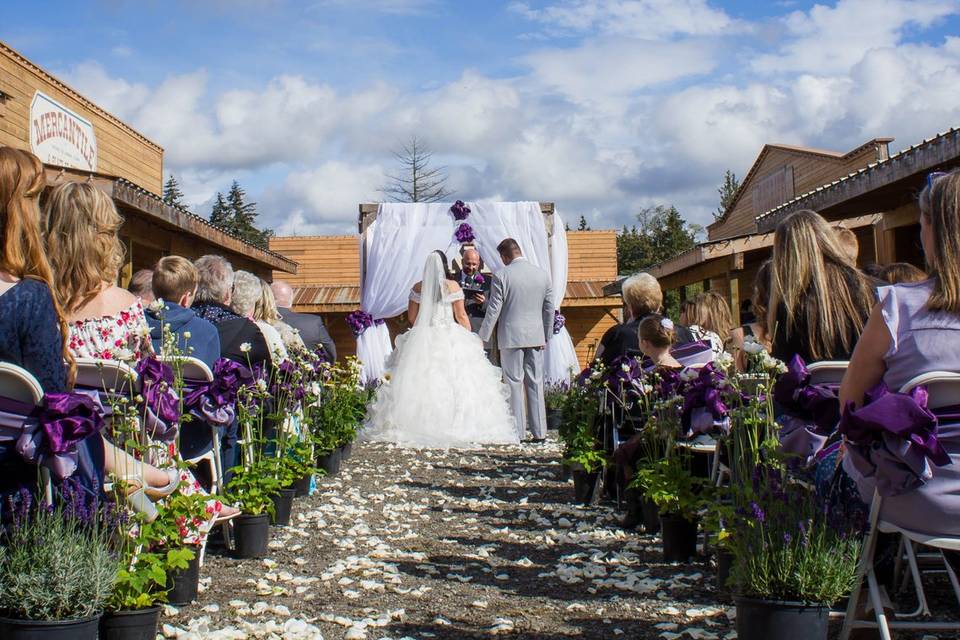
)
(215, 401)
(49, 435)
(162, 402)
(811, 411)
(893, 439)
(703, 407)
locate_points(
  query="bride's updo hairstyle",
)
(446, 264)
(657, 330)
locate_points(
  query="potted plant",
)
(678, 495)
(582, 450)
(554, 396)
(133, 611)
(56, 575)
(252, 489)
(791, 560)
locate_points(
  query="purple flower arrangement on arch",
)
(459, 210)
(359, 321)
(464, 233)
(558, 322)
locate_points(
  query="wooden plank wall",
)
(121, 151)
(809, 172)
(586, 326)
(323, 260)
(592, 255)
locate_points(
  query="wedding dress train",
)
(439, 390)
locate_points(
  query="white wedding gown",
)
(439, 390)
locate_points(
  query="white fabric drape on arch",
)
(397, 244)
(560, 363)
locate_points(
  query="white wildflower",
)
(157, 305)
(187, 335)
(751, 346)
(245, 347)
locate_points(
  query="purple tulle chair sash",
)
(48, 434)
(893, 438)
(809, 413)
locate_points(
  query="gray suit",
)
(521, 307)
(311, 330)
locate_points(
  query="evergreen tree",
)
(243, 217)
(583, 225)
(220, 214)
(661, 233)
(727, 190)
(171, 193)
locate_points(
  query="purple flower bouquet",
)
(464, 233)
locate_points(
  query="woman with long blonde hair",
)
(819, 300)
(266, 311)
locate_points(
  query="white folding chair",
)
(943, 390)
(107, 375)
(19, 384)
(196, 370)
(827, 371)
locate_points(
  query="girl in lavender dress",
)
(915, 329)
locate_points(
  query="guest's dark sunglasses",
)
(934, 175)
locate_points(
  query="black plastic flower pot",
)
(251, 535)
(724, 564)
(585, 485)
(130, 624)
(283, 507)
(651, 516)
(764, 619)
(554, 418)
(184, 582)
(302, 485)
(566, 471)
(346, 451)
(78, 629)
(679, 537)
(330, 462)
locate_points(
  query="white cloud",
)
(833, 39)
(645, 19)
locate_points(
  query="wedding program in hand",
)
(439, 390)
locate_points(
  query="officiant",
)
(476, 289)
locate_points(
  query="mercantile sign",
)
(60, 136)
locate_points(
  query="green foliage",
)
(670, 484)
(580, 413)
(54, 568)
(661, 234)
(237, 216)
(144, 583)
(252, 488)
(171, 193)
(341, 408)
(727, 191)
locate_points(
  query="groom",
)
(520, 299)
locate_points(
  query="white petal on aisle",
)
(435, 544)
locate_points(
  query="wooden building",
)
(328, 283)
(79, 141)
(867, 190)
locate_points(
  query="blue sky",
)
(603, 106)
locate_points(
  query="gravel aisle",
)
(460, 544)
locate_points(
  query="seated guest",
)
(266, 310)
(175, 282)
(212, 303)
(757, 328)
(707, 315)
(656, 335)
(901, 272)
(141, 286)
(849, 243)
(915, 329)
(246, 295)
(819, 302)
(86, 254)
(310, 326)
(642, 296)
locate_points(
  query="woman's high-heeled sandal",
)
(156, 493)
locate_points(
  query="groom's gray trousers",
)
(523, 373)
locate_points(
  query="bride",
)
(439, 390)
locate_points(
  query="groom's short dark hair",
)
(509, 247)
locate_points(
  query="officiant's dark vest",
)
(469, 283)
